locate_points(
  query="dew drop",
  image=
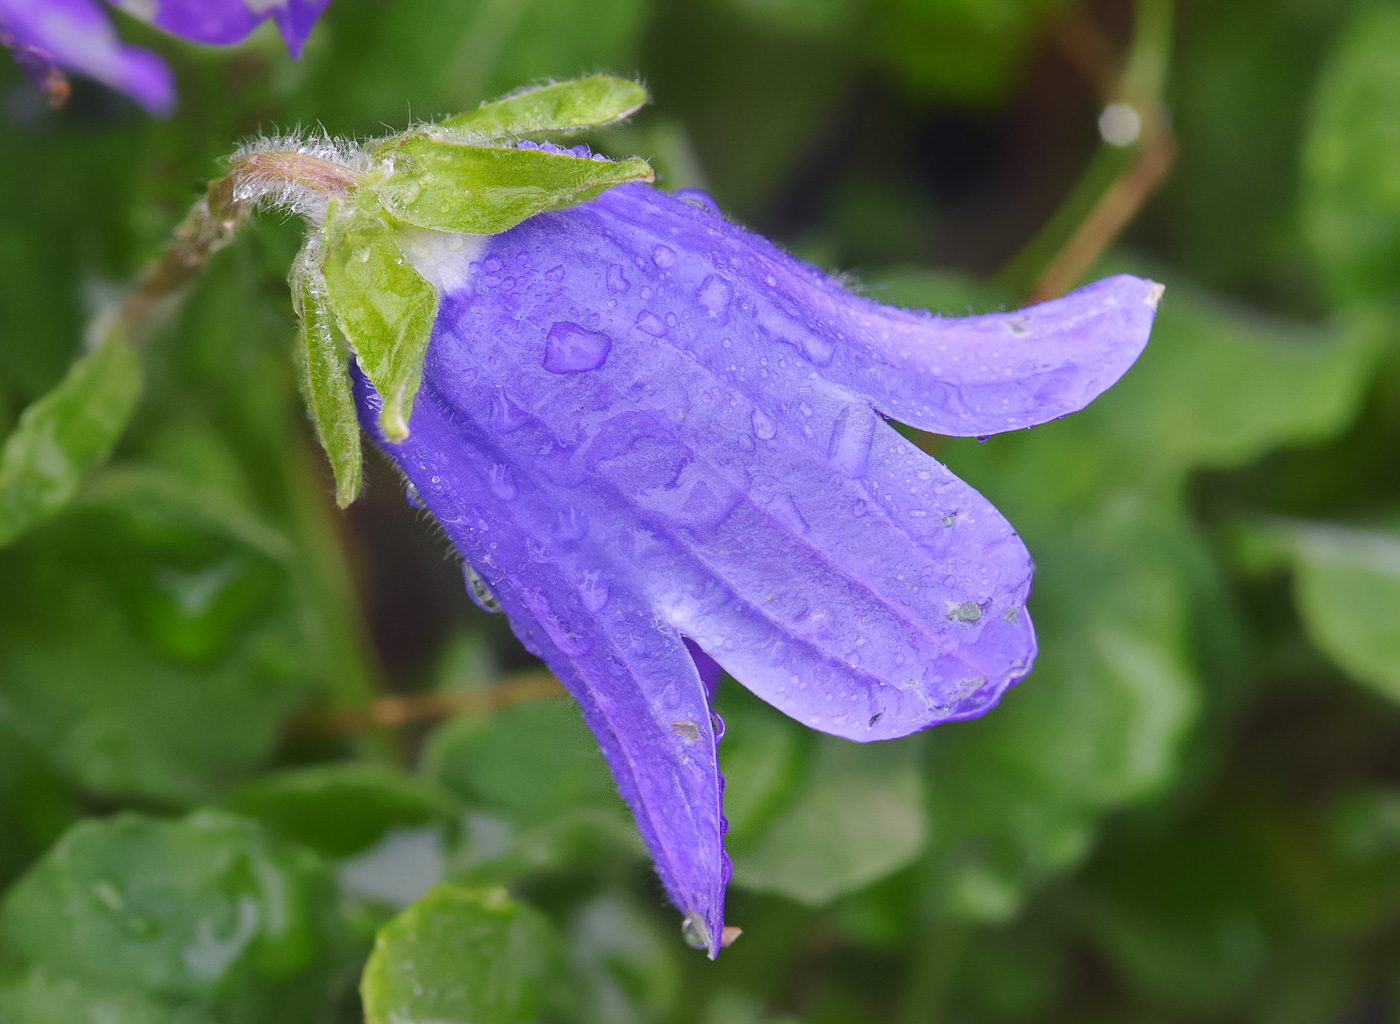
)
(763, 425)
(593, 591)
(480, 591)
(571, 525)
(714, 297)
(555, 273)
(694, 932)
(852, 435)
(503, 482)
(818, 350)
(617, 280)
(651, 324)
(491, 264)
(664, 256)
(570, 348)
(697, 198)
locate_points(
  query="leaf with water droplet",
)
(559, 107)
(66, 433)
(459, 956)
(484, 190)
(208, 912)
(381, 303)
(325, 380)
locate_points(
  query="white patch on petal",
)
(263, 6)
(444, 258)
(143, 9)
(1155, 295)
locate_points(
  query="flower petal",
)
(225, 22)
(962, 376)
(824, 561)
(631, 674)
(76, 35)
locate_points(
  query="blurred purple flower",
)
(650, 431)
(76, 35)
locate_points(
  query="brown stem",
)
(1110, 215)
(388, 712)
(211, 223)
(1091, 51)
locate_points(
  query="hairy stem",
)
(211, 224)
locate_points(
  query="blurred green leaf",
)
(325, 380)
(1351, 195)
(36, 803)
(561, 107)
(340, 809)
(182, 607)
(381, 303)
(532, 762)
(1186, 916)
(459, 956)
(207, 911)
(1347, 586)
(37, 997)
(624, 966)
(66, 433)
(484, 190)
(1219, 385)
(542, 792)
(857, 817)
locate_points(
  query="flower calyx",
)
(382, 218)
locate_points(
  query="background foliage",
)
(1189, 812)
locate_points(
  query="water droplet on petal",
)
(714, 297)
(818, 349)
(570, 348)
(651, 324)
(763, 425)
(663, 256)
(852, 435)
(617, 280)
(480, 591)
(571, 525)
(555, 273)
(698, 198)
(693, 930)
(503, 482)
(593, 591)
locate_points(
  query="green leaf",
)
(1351, 195)
(65, 434)
(1015, 796)
(459, 956)
(207, 911)
(858, 817)
(340, 809)
(541, 793)
(325, 381)
(1347, 586)
(184, 607)
(1219, 385)
(36, 804)
(483, 190)
(382, 304)
(41, 998)
(562, 107)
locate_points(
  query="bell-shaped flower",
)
(649, 431)
(48, 37)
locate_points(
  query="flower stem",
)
(211, 224)
(1120, 178)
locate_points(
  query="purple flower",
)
(75, 35)
(651, 432)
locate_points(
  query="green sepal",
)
(384, 307)
(325, 379)
(66, 433)
(484, 190)
(561, 107)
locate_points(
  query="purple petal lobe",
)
(76, 35)
(225, 22)
(691, 425)
(633, 677)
